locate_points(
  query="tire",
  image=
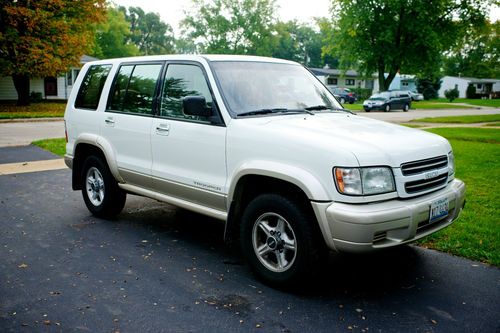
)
(367, 110)
(291, 247)
(387, 108)
(406, 108)
(100, 191)
(342, 100)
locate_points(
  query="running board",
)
(215, 213)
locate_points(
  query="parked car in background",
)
(343, 95)
(415, 96)
(387, 101)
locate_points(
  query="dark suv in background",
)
(387, 101)
(343, 95)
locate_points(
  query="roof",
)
(334, 71)
(474, 80)
(85, 59)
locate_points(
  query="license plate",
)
(439, 209)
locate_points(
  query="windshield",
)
(381, 96)
(249, 86)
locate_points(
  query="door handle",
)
(163, 129)
(109, 121)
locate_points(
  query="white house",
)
(400, 82)
(337, 78)
(484, 87)
(50, 87)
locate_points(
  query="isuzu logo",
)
(431, 174)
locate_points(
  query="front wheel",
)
(342, 100)
(100, 191)
(279, 240)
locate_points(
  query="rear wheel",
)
(342, 100)
(406, 108)
(387, 108)
(100, 191)
(279, 241)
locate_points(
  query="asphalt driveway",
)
(157, 268)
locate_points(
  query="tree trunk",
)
(22, 85)
(381, 78)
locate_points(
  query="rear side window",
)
(91, 87)
(134, 88)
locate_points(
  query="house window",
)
(479, 86)
(350, 82)
(456, 86)
(331, 81)
(71, 76)
(404, 84)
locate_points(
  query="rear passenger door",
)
(189, 160)
(128, 118)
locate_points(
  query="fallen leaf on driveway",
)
(23, 265)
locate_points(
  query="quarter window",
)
(91, 87)
(183, 80)
(134, 88)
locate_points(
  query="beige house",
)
(332, 77)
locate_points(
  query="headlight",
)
(364, 181)
(451, 163)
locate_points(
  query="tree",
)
(297, 42)
(477, 55)
(429, 86)
(388, 36)
(112, 35)
(231, 26)
(44, 37)
(148, 32)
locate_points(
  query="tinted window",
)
(91, 87)
(134, 88)
(182, 81)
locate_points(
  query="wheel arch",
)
(90, 144)
(251, 182)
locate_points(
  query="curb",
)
(31, 120)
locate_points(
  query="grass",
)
(492, 124)
(56, 146)
(426, 105)
(477, 102)
(460, 119)
(353, 107)
(476, 235)
(35, 110)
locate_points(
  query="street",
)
(157, 268)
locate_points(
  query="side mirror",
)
(196, 106)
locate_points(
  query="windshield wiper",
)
(274, 110)
(325, 107)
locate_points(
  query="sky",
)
(172, 11)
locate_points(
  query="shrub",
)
(35, 97)
(428, 87)
(362, 93)
(471, 91)
(451, 94)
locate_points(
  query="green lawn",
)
(477, 102)
(493, 124)
(354, 107)
(35, 110)
(57, 146)
(460, 119)
(476, 235)
(434, 104)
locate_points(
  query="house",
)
(400, 82)
(484, 87)
(338, 78)
(50, 87)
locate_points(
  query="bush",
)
(451, 94)
(471, 91)
(428, 87)
(362, 93)
(35, 97)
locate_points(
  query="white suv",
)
(261, 144)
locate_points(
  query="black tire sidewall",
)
(114, 198)
(305, 240)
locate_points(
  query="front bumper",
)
(366, 227)
(374, 107)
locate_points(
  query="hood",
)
(371, 141)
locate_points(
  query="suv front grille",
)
(412, 168)
(425, 184)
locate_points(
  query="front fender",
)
(303, 179)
